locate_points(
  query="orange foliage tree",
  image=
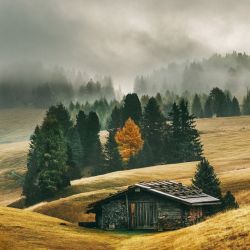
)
(129, 140)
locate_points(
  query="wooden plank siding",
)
(139, 209)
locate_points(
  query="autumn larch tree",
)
(129, 140)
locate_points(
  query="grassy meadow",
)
(29, 230)
(226, 144)
(16, 126)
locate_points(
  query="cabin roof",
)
(188, 195)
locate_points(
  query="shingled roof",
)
(188, 195)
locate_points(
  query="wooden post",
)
(127, 208)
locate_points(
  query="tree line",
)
(62, 149)
(230, 71)
(217, 103)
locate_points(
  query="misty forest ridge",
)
(124, 125)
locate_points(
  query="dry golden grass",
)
(25, 230)
(225, 145)
(17, 124)
(12, 169)
(229, 230)
(28, 230)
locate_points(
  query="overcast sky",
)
(120, 38)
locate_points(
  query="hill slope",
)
(27, 230)
(16, 126)
(226, 144)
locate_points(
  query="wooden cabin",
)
(158, 205)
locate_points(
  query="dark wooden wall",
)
(139, 209)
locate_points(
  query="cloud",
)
(121, 38)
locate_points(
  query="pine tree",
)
(229, 201)
(246, 104)
(53, 174)
(219, 102)
(197, 107)
(129, 140)
(191, 147)
(205, 178)
(144, 158)
(92, 145)
(182, 140)
(173, 140)
(115, 119)
(228, 110)
(30, 187)
(132, 108)
(153, 128)
(208, 110)
(75, 155)
(113, 160)
(47, 162)
(71, 106)
(61, 114)
(81, 125)
(235, 107)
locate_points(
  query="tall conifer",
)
(153, 128)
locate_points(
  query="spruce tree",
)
(75, 155)
(235, 107)
(113, 160)
(132, 108)
(208, 110)
(47, 170)
(144, 158)
(173, 140)
(191, 147)
(229, 201)
(92, 144)
(61, 114)
(115, 118)
(246, 104)
(219, 102)
(53, 174)
(153, 128)
(81, 126)
(205, 178)
(30, 187)
(228, 110)
(197, 107)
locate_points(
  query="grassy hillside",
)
(30, 230)
(12, 170)
(226, 144)
(16, 126)
(26, 230)
(229, 230)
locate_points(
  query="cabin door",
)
(143, 215)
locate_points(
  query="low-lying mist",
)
(230, 72)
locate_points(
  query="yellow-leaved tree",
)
(129, 140)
